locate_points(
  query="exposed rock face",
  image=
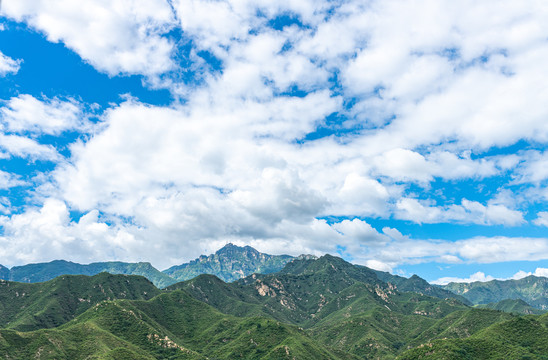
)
(230, 263)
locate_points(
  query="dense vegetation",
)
(49, 304)
(321, 308)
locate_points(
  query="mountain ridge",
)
(531, 289)
(322, 308)
(230, 263)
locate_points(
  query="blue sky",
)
(411, 138)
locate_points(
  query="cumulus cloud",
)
(48, 233)
(533, 168)
(484, 250)
(540, 272)
(49, 116)
(407, 165)
(8, 65)
(122, 36)
(419, 92)
(24, 147)
(8, 180)
(542, 218)
(467, 212)
(479, 276)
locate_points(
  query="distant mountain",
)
(52, 303)
(417, 284)
(515, 306)
(230, 263)
(40, 272)
(4, 273)
(531, 289)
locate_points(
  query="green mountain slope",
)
(170, 326)
(531, 289)
(315, 308)
(308, 290)
(40, 272)
(49, 304)
(230, 263)
(419, 285)
(339, 304)
(517, 338)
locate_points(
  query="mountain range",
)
(232, 262)
(313, 308)
(531, 289)
(229, 263)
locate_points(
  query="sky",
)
(407, 136)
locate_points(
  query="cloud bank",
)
(295, 126)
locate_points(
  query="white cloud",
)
(20, 146)
(360, 195)
(534, 167)
(121, 36)
(541, 272)
(50, 116)
(467, 212)
(378, 265)
(47, 233)
(484, 250)
(425, 88)
(542, 218)
(8, 180)
(479, 276)
(360, 231)
(8, 65)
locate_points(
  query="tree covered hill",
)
(49, 304)
(323, 308)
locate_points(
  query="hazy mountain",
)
(531, 289)
(230, 263)
(40, 272)
(4, 273)
(515, 306)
